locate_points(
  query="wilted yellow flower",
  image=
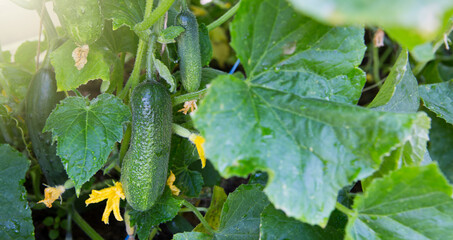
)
(51, 194)
(170, 180)
(113, 195)
(189, 105)
(198, 141)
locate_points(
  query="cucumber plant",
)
(315, 120)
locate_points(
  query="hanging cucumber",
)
(144, 170)
(82, 19)
(189, 51)
(42, 97)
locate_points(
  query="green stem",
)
(163, 7)
(377, 78)
(48, 25)
(340, 207)
(135, 75)
(85, 226)
(189, 97)
(184, 5)
(201, 209)
(153, 233)
(150, 57)
(199, 216)
(148, 8)
(224, 17)
(125, 143)
(181, 131)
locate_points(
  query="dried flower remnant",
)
(80, 56)
(51, 194)
(378, 39)
(189, 105)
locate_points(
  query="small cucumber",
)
(189, 51)
(42, 97)
(145, 165)
(82, 19)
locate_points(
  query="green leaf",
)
(69, 77)
(86, 133)
(276, 225)
(436, 72)
(400, 90)
(438, 98)
(440, 144)
(165, 209)
(215, 209)
(192, 236)
(169, 34)
(123, 12)
(205, 45)
(120, 40)
(409, 22)
(165, 74)
(15, 217)
(14, 80)
(183, 154)
(240, 217)
(274, 42)
(310, 148)
(410, 203)
(423, 52)
(25, 55)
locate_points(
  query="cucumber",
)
(81, 19)
(42, 97)
(189, 51)
(145, 165)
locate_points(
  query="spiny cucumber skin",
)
(189, 51)
(82, 19)
(145, 165)
(42, 98)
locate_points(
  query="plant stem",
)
(135, 75)
(188, 97)
(224, 17)
(153, 233)
(340, 207)
(201, 209)
(85, 226)
(163, 7)
(199, 216)
(150, 57)
(148, 8)
(376, 77)
(181, 131)
(125, 143)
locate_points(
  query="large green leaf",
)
(400, 90)
(86, 133)
(182, 155)
(69, 77)
(440, 144)
(14, 80)
(25, 54)
(240, 217)
(15, 217)
(276, 225)
(310, 148)
(409, 22)
(192, 236)
(165, 209)
(410, 203)
(438, 98)
(123, 12)
(274, 42)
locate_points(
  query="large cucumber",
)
(189, 51)
(145, 165)
(82, 19)
(42, 97)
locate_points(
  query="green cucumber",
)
(189, 51)
(145, 165)
(82, 19)
(42, 97)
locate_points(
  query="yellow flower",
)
(171, 179)
(51, 194)
(113, 195)
(189, 105)
(198, 141)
